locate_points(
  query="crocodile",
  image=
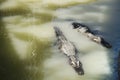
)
(68, 48)
(85, 30)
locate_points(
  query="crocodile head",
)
(77, 65)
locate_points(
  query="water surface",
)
(27, 51)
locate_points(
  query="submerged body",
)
(87, 32)
(69, 50)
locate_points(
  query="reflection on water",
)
(26, 39)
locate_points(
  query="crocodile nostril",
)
(81, 73)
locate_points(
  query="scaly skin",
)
(87, 32)
(69, 50)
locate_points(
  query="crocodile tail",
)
(58, 31)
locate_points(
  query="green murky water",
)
(26, 36)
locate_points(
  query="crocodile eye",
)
(79, 63)
(72, 63)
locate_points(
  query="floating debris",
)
(69, 50)
(85, 30)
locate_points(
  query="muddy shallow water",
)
(27, 50)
